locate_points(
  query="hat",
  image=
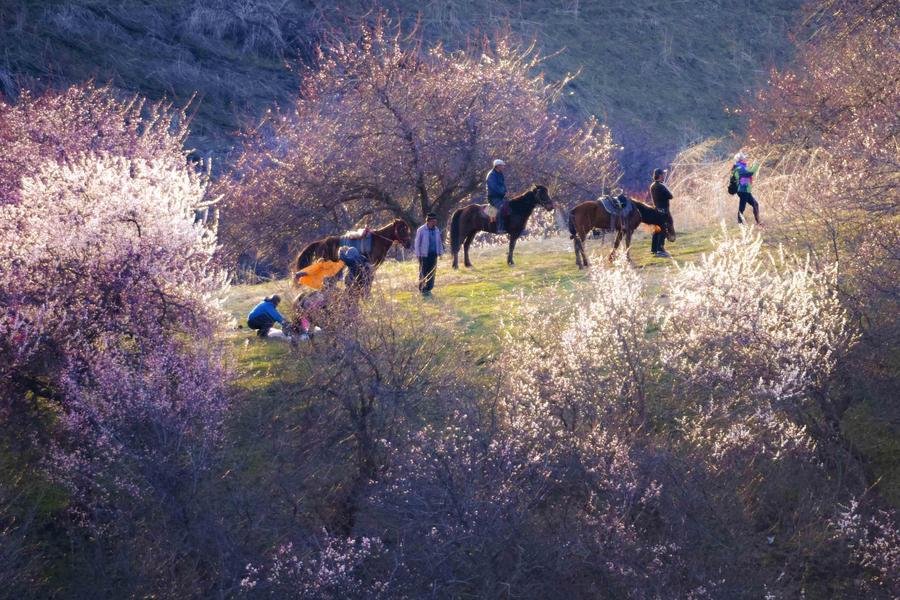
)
(740, 156)
(658, 173)
(499, 163)
(430, 216)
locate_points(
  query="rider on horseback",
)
(496, 194)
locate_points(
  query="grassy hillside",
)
(661, 73)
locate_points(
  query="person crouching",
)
(265, 315)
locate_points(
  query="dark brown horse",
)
(591, 215)
(470, 220)
(383, 238)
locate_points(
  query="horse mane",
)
(384, 227)
(520, 197)
(532, 191)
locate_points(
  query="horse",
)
(468, 221)
(398, 231)
(591, 215)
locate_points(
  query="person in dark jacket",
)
(265, 315)
(744, 177)
(428, 247)
(496, 193)
(660, 195)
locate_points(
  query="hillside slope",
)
(661, 73)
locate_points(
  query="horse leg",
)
(575, 240)
(628, 244)
(512, 246)
(466, 244)
(612, 254)
(584, 256)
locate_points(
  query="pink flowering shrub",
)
(329, 569)
(873, 537)
(757, 335)
(60, 127)
(710, 405)
(592, 370)
(107, 281)
(484, 510)
(833, 112)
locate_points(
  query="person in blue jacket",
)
(265, 315)
(496, 193)
(359, 271)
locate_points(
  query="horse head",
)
(542, 197)
(401, 233)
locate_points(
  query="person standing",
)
(744, 178)
(661, 196)
(428, 246)
(496, 193)
(264, 315)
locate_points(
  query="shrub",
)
(82, 120)
(116, 389)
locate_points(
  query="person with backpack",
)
(359, 272)
(660, 195)
(265, 315)
(428, 247)
(741, 183)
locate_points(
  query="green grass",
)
(473, 302)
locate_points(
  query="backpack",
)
(732, 184)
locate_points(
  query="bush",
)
(84, 120)
(109, 299)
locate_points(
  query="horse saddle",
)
(361, 239)
(490, 210)
(619, 208)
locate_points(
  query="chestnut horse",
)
(327, 248)
(468, 221)
(591, 215)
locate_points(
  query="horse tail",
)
(304, 259)
(454, 231)
(572, 231)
